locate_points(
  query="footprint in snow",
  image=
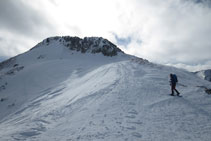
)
(135, 122)
(133, 112)
(29, 133)
(130, 116)
(83, 128)
(131, 128)
(91, 123)
(132, 103)
(118, 122)
(136, 134)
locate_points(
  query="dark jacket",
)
(173, 79)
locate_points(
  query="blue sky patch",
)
(122, 41)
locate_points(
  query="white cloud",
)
(193, 67)
(170, 31)
(173, 31)
(13, 44)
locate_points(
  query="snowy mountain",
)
(205, 74)
(67, 88)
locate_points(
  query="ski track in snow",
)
(123, 101)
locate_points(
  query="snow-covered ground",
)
(58, 94)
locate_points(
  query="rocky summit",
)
(87, 44)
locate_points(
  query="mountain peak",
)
(64, 47)
(85, 45)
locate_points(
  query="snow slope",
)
(54, 93)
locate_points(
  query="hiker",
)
(173, 82)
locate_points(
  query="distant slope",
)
(205, 74)
(54, 93)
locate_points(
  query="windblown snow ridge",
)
(85, 45)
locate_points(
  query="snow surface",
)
(66, 96)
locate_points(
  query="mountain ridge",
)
(93, 45)
(54, 93)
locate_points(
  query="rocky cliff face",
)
(86, 45)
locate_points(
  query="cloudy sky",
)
(173, 32)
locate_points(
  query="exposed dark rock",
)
(88, 44)
(3, 87)
(208, 91)
(3, 99)
(41, 57)
(12, 71)
(15, 65)
(7, 63)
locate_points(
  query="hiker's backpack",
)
(174, 78)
